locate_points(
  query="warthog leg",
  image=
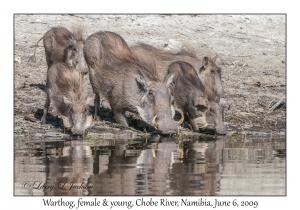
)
(120, 117)
(46, 108)
(97, 107)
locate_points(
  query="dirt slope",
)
(251, 51)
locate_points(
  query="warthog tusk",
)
(181, 119)
(154, 122)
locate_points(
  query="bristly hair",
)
(115, 47)
(69, 84)
(188, 49)
(147, 62)
(78, 32)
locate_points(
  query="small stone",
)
(150, 31)
(18, 59)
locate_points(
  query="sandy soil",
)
(251, 51)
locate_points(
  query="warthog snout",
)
(215, 116)
(221, 129)
(77, 131)
(164, 128)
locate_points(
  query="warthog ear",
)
(215, 58)
(205, 61)
(141, 82)
(72, 42)
(169, 80)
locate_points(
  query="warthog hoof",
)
(43, 121)
(97, 118)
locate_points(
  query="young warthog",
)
(193, 99)
(65, 88)
(208, 71)
(129, 85)
(63, 46)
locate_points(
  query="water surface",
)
(239, 165)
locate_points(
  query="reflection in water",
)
(157, 166)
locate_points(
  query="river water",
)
(225, 165)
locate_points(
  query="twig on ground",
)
(277, 104)
(282, 85)
(38, 22)
(239, 37)
(243, 56)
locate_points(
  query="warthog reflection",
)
(163, 168)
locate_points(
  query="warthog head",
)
(210, 76)
(155, 105)
(195, 100)
(77, 115)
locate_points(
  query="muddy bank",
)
(251, 51)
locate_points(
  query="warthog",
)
(63, 46)
(193, 99)
(208, 71)
(66, 89)
(129, 85)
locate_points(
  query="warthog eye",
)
(151, 94)
(74, 48)
(201, 107)
(212, 71)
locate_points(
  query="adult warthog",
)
(63, 46)
(207, 69)
(191, 97)
(128, 84)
